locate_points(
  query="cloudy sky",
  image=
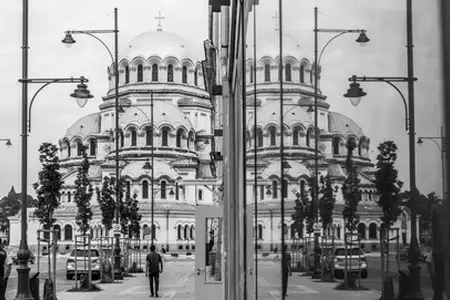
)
(380, 114)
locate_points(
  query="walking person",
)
(152, 270)
(287, 270)
(5, 270)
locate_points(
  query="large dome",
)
(158, 43)
(341, 124)
(268, 44)
(85, 126)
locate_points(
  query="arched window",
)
(192, 233)
(140, 73)
(122, 140)
(127, 74)
(295, 135)
(308, 138)
(144, 231)
(128, 188)
(251, 74)
(200, 194)
(259, 137)
(362, 231)
(179, 137)
(145, 189)
(179, 232)
(58, 232)
(148, 137)
(272, 133)
(79, 148)
(302, 74)
(302, 189)
(293, 231)
(288, 73)
(133, 138)
(285, 188)
(169, 73)
(186, 232)
(372, 231)
(261, 192)
(177, 191)
(274, 189)
(260, 231)
(360, 146)
(338, 232)
(93, 147)
(153, 236)
(67, 233)
(336, 142)
(267, 72)
(164, 137)
(285, 230)
(163, 190)
(68, 149)
(154, 72)
(184, 75)
(196, 77)
(69, 197)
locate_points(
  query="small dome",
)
(338, 123)
(164, 113)
(268, 44)
(296, 171)
(270, 114)
(84, 127)
(157, 43)
(161, 169)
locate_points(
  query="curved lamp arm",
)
(324, 47)
(95, 37)
(433, 140)
(404, 102)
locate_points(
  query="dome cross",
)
(159, 18)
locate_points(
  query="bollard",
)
(388, 289)
(403, 282)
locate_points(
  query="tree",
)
(135, 217)
(352, 196)
(48, 187)
(107, 202)
(309, 207)
(387, 183)
(83, 194)
(327, 199)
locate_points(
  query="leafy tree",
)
(135, 217)
(83, 194)
(309, 206)
(352, 196)
(49, 185)
(326, 201)
(107, 202)
(387, 183)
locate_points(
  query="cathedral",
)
(162, 69)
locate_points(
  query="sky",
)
(380, 113)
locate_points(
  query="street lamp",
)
(82, 94)
(362, 40)
(8, 142)
(442, 149)
(415, 291)
(69, 41)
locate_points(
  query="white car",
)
(356, 261)
(82, 263)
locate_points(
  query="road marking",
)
(132, 290)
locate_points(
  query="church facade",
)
(161, 69)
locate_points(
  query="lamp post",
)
(8, 142)
(82, 94)
(362, 40)
(355, 93)
(442, 149)
(68, 40)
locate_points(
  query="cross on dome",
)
(159, 18)
(276, 17)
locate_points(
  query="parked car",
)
(82, 263)
(403, 254)
(356, 260)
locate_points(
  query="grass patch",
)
(341, 286)
(94, 288)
